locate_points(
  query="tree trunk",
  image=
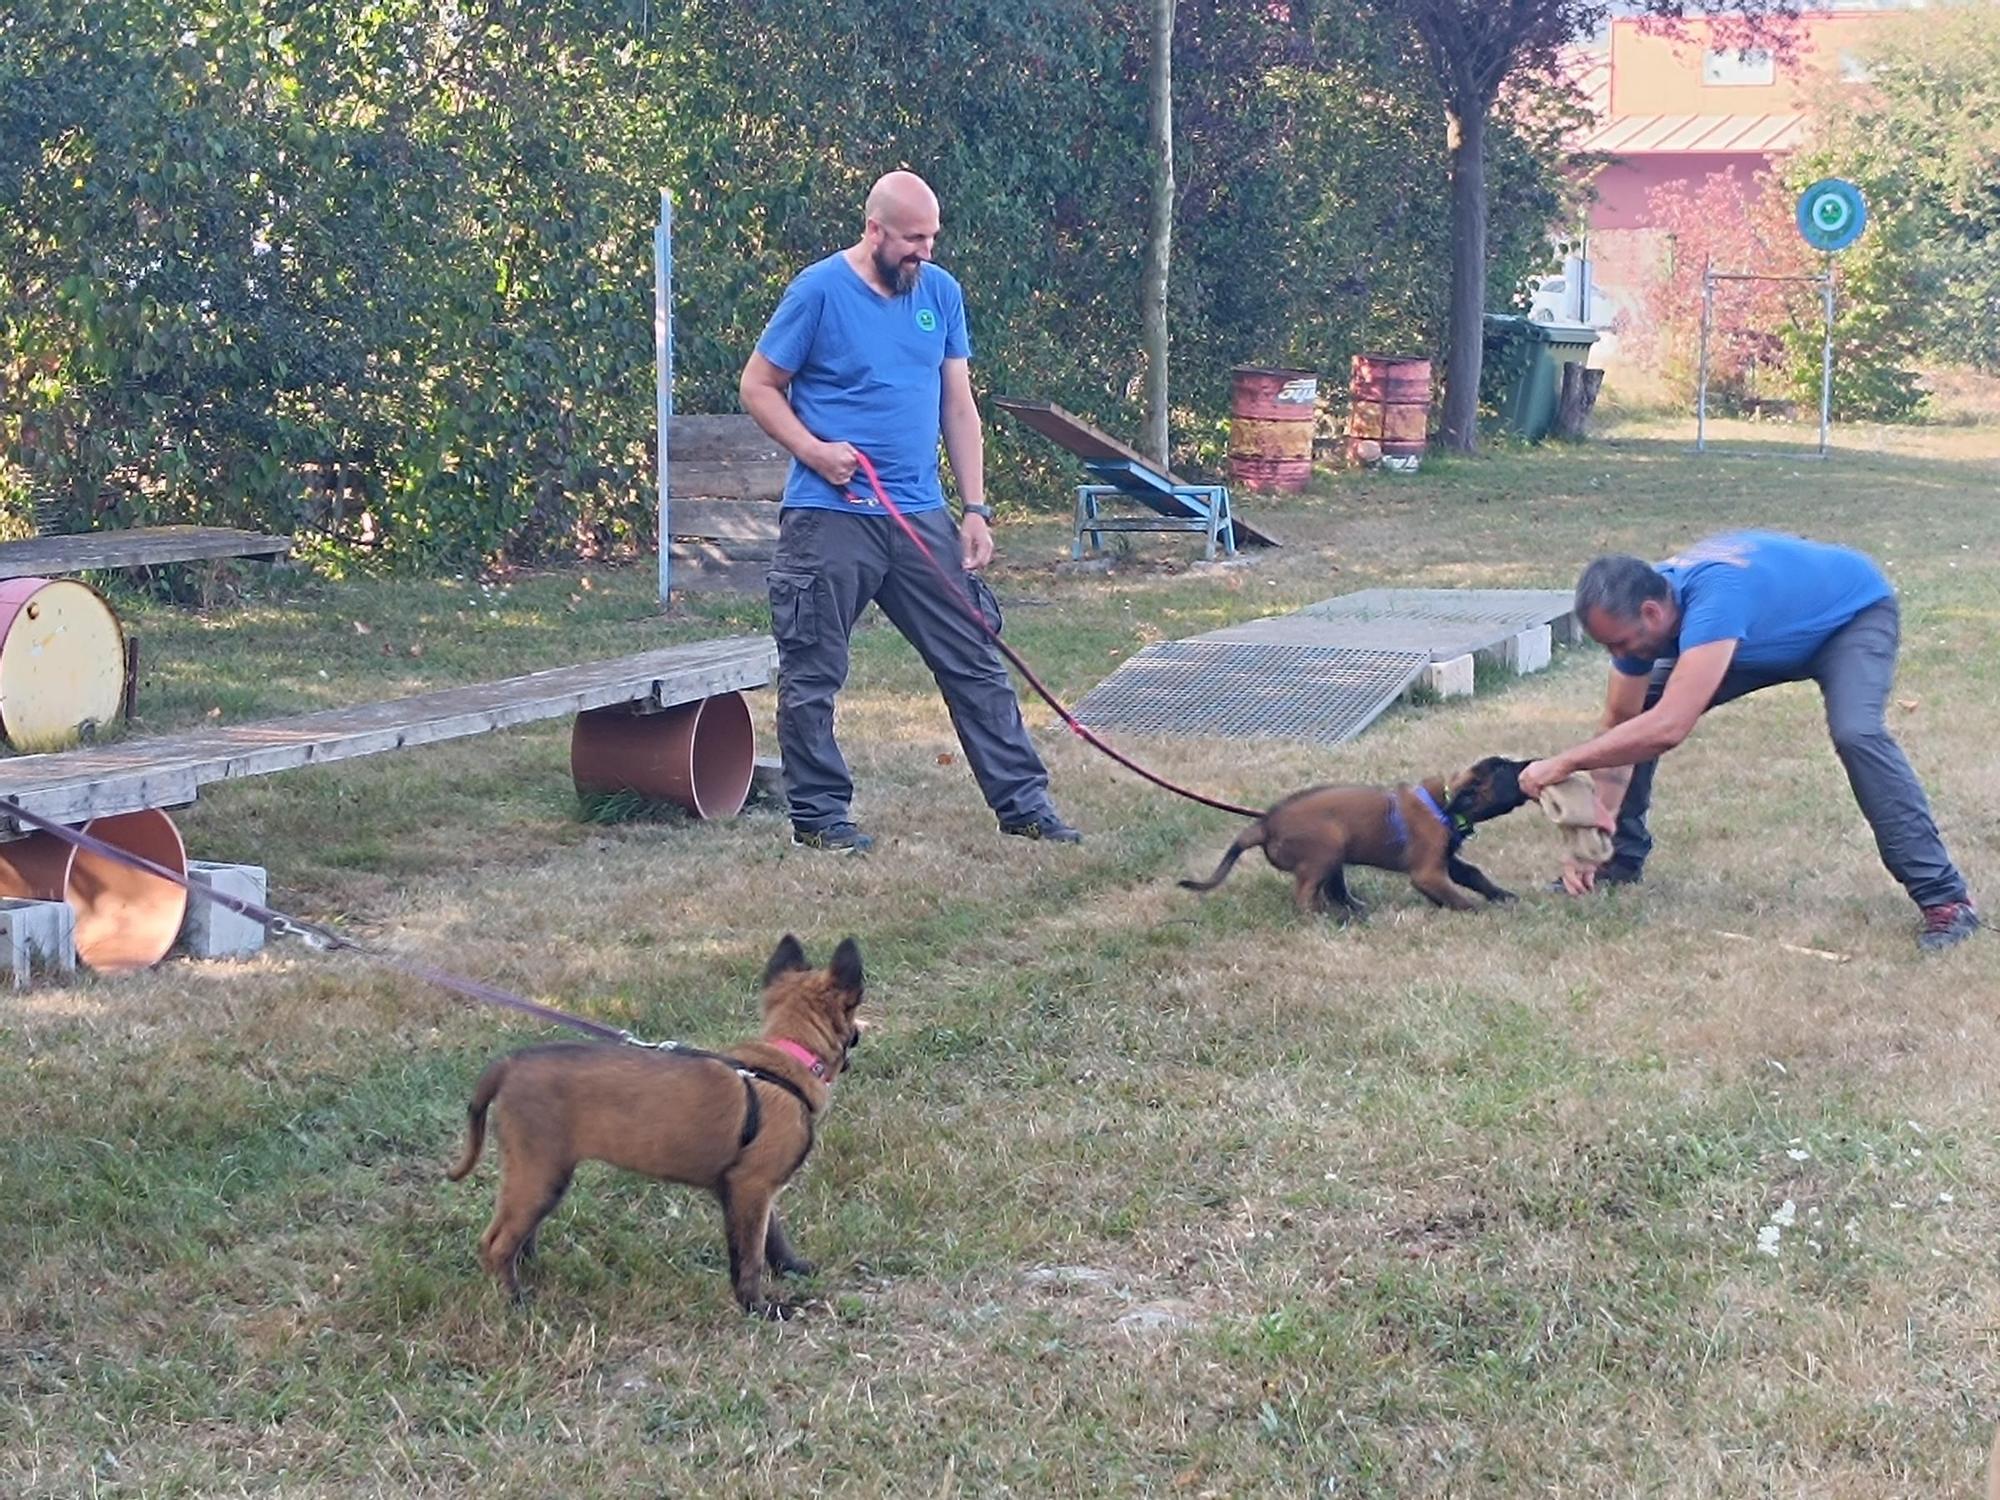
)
(1468, 276)
(1160, 237)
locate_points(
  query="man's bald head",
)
(901, 230)
(899, 196)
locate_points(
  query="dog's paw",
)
(775, 1312)
(796, 1268)
(1502, 898)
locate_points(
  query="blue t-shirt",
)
(868, 370)
(1778, 597)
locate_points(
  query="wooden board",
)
(139, 547)
(167, 771)
(716, 568)
(1074, 435)
(726, 521)
(724, 457)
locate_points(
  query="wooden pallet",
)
(167, 771)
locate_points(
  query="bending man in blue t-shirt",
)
(868, 351)
(1730, 615)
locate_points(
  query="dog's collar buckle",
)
(811, 1061)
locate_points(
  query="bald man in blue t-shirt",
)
(868, 351)
(1732, 614)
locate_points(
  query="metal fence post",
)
(663, 366)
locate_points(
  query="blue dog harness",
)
(1401, 830)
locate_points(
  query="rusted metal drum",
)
(699, 756)
(62, 663)
(1271, 428)
(1389, 409)
(125, 918)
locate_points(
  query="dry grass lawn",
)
(1130, 1192)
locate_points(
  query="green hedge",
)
(384, 277)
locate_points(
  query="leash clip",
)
(285, 927)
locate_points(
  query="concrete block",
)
(37, 935)
(212, 931)
(1448, 679)
(1521, 654)
(1567, 629)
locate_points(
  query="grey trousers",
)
(1854, 670)
(829, 566)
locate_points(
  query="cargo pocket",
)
(984, 601)
(794, 609)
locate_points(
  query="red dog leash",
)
(1082, 731)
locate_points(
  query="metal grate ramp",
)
(1444, 622)
(1251, 690)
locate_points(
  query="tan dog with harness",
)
(1417, 828)
(738, 1124)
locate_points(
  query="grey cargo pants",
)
(828, 567)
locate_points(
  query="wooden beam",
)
(139, 547)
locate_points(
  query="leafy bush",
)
(379, 271)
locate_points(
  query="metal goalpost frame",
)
(1824, 281)
(663, 364)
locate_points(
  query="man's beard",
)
(898, 276)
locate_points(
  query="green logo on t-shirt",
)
(926, 320)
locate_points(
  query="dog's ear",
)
(846, 967)
(787, 958)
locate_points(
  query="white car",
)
(1553, 299)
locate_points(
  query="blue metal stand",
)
(1200, 508)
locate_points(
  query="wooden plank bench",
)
(139, 547)
(168, 770)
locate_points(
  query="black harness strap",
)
(753, 1116)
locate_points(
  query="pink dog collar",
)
(812, 1063)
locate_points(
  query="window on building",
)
(1730, 67)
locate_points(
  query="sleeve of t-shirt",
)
(1719, 610)
(957, 339)
(788, 337)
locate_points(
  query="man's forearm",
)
(965, 445)
(1638, 739)
(772, 410)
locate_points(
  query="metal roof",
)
(1687, 135)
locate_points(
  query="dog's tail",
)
(1250, 838)
(475, 1118)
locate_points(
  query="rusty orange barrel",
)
(125, 918)
(1271, 428)
(699, 756)
(62, 663)
(1389, 408)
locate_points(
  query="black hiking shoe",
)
(836, 838)
(1947, 926)
(1049, 828)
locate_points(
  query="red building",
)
(1681, 106)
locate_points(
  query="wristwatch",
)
(984, 512)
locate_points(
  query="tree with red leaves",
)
(1473, 47)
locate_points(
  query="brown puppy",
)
(737, 1123)
(1315, 834)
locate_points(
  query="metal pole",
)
(1826, 366)
(1701, 386)
(663, 365)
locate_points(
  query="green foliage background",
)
(379, 271)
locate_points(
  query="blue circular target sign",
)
(1832, 214)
